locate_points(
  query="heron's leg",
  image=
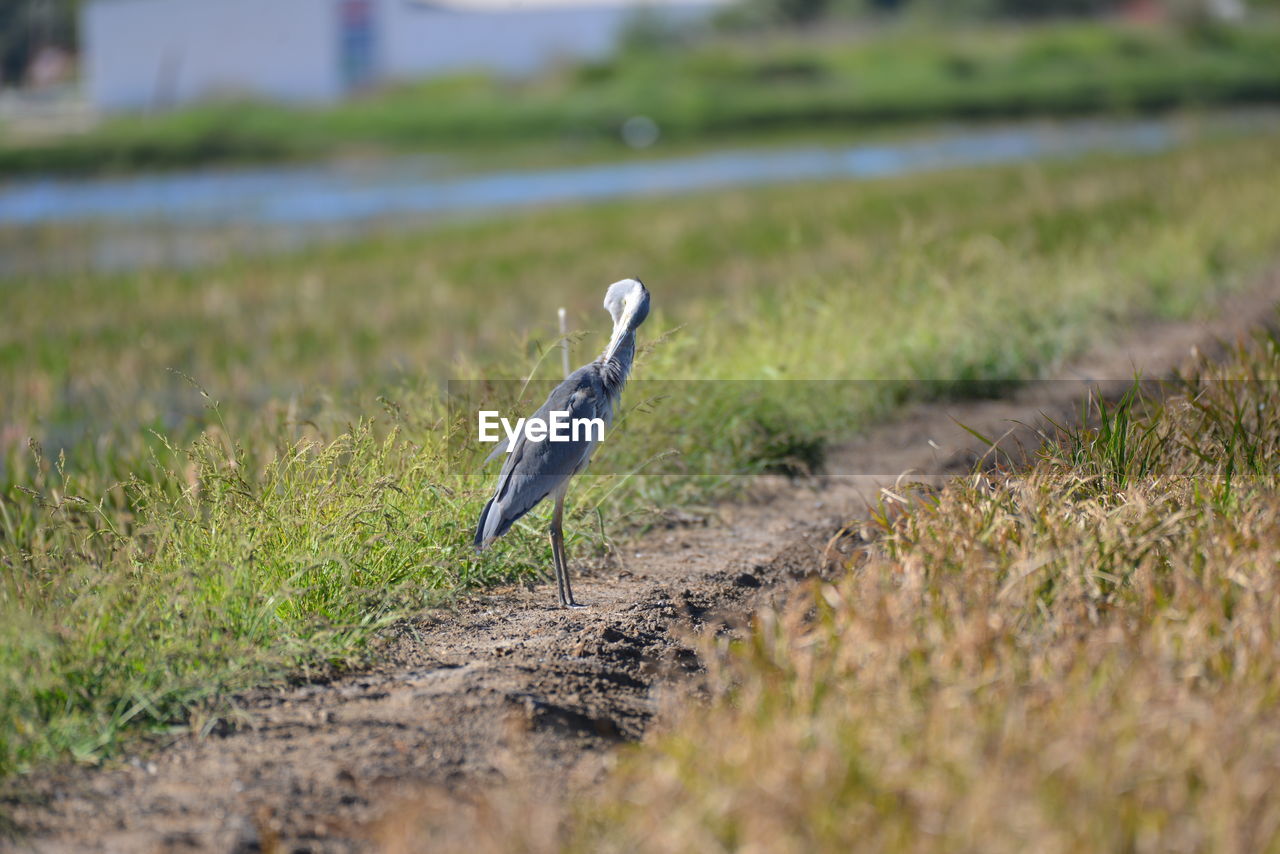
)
(557, 546)
(555, 559)
(557, 553)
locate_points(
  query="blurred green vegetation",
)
(766, 14)
(717, 90)
(242, 473)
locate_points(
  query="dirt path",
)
(507, 687)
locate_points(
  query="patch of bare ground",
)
(508, 689)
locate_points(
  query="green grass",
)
(716, 91)
(1079, 657)
(162, 551)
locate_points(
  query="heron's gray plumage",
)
(533, 470)
(536, 470)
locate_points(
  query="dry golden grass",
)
(1078, 657)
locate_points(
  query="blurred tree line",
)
(29, 26)
(751, 13)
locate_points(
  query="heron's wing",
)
(558, 395)
(534, 470)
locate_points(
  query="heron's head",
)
(628, 303)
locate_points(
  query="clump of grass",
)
(155, 557)
(1113, 455)
(1080, 656)
(223, 571)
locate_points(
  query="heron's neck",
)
(616, 367)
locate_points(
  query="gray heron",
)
(537, 469)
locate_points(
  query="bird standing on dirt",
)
(534, 469)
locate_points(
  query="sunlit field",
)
(264, 441)
(1080, 656)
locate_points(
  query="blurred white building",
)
(150, 54)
